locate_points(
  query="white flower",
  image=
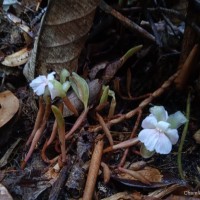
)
(39, 84)
(160, 130)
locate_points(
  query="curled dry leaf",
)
(4, 193)
(9, 105)
(94, 90)
(149, 173)
(62, 36)
(153, 175)
(17, 58)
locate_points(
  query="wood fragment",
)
(127, 22)
(60, 182)
(93, 170)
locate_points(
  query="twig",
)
(105, 129)
(125, 144)
(93, 170)
(187, 68)
(133, 133)
(58, 185)
(143, 104)
(127, 22)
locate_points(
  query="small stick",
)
(143, 104)
(124, 144)
(105, 129)
(127, 22)
(93, 170)
(133, 133)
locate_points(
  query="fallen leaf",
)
(62, 36)
(4, 194)
(4, 159)
(18, 58)
(9, 105)
(149, 173)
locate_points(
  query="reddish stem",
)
(77, 123)
(38, 121)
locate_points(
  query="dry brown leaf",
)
(151, 174)
(62, 36)
(18, 58)
(4, 194)
(9, 105)
(4, 159)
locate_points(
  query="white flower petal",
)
(50, 76)
(40, 89)
(54, 93)
(176, 120)
(37, 81)
(162, 126)
(38, 85)
(163, 145)
(172, 134)
(149, 122)
(159, 112)
(149, 137)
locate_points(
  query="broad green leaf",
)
(146, 153)
(80, 87)
(104, 96)
(63, 75)
(59, 117)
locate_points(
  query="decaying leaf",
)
(110, 69)
(62, 36)
(149, 173)
(94, 89)
(4, 159)
(4, 194)
(17, 58)
(153, 175)
(9, 105)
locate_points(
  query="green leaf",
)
(176, 120)
(130, 52)
(159, 112)
(80, 87)
(104, 96)
(59, 117)
(63, 75)
(66, 86)
(146, 153)
(58, 88)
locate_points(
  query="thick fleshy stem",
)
(38, 121)
(50, 140)
(69, 105)
(61, 130)
(38, 132)
(77, 123)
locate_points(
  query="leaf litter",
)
(148, 75)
